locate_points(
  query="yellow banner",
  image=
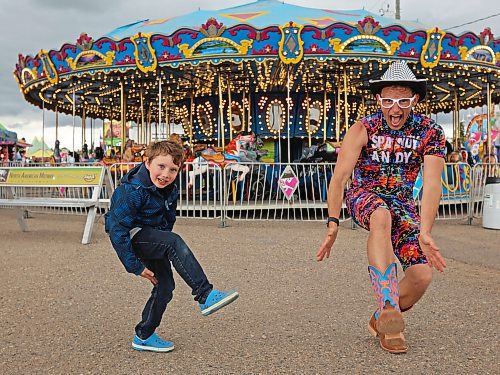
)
(59, 176)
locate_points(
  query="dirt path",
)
(68, 308)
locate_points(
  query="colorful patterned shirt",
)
(390, 162)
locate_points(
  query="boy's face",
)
(162, 170)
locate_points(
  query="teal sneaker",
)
(217, 300)
(153, 344)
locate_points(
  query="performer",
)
(139, 224)
(386, 150)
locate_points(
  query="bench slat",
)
(47, 202)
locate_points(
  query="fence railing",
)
(480, 173)
(253, 191)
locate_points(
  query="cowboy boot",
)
(387, 343)
(387, 323)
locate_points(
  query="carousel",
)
(293, 76)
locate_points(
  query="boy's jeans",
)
(157, 249)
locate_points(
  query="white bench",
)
(26, 188)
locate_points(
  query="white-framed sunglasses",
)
(401, 102)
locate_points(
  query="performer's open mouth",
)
(396, 120)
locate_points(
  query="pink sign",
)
(288, 182)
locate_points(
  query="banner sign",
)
(55, 176)
(288, 182)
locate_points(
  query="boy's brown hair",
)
(166, 148)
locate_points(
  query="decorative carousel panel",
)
(206, 118)
(165, 49)
(48, 67)
(270, 114)
(90, 59)
(431, 52)
(480, 54)
(291, 45)
(181, 116)
(215, 47)
(363, 44)
(28, 75)
(309, 121)
(268, 42)
(145, 56)
(236, 116)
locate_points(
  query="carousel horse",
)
(321, 153)
(246, 145)
(133, 152)
(209, 158)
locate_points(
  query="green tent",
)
(37, 148)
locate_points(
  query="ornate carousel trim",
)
(431, 52)
(291, 45)
(189, 52)
(49, 69)
(145, 56)
(466, 54)
(31, 73)
(104, 60)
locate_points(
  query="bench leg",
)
(89, 225)
(21, 219)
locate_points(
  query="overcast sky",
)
(27, 26)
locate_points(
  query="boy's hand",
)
(147, 274)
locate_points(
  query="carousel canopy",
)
(201, 68)
(259, 15)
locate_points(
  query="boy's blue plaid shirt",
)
(137, 203)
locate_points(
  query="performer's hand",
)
(431, 252)
(326, 246)
(147, 274)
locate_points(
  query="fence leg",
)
(222, 196)
(89, 225)
(21, 218)
(353, 224)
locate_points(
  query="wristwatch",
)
(334, 219)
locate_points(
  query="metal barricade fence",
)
(248, 191)
(200, 189)
(480, 173)
(456, 189)
(251, 191)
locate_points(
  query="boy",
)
(139, 224)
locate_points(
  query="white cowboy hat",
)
(399, 73)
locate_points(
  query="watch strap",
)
(334, 219)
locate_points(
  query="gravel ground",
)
(68, 308)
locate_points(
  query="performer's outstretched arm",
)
(433, 168)
(354, 140)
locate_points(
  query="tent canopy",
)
(6, 136)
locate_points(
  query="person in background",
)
(453, 170)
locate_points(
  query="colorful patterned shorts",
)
(405, 222)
